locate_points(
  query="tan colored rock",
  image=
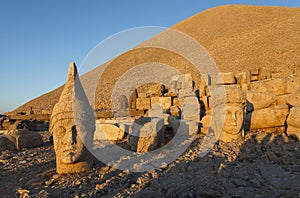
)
(260, 100)
(205, 123)
(175, 111)
(143, 103)
(282, 99)
(293, 83)
(156, 110)
(294, 117)
(245, 87)
(294, 99)
(185, 127)
(293, 131)
(190, 110)
(255, 72)
(242, 77)
(176, 102)
(227, 78)
(72, 125)
(166, 102)
(108, 132)
(273, 86)
(270, 117)
(150, 90)
(146, 134)
(227, 94)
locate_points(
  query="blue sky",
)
(38, 39)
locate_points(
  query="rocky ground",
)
(258, 165)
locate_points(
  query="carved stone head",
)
(72, 125)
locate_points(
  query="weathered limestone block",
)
(146, 134)
(29, 140)
(166, 102)
(270, 117)
(190, 110)
(227, 94)
(293, 131)
(143, 103)
(227, 79)
(264, 74)
(260, 100)
(108, 132)
(72, 125)
(294, 99)
(185, 127)
(150, 90)
(274, 86)
(255, 72)
(282, 99)
(175, 102)
(293, 82)
(22, 138)
(175, 111)
(294, 117)
(6, 143)
(206, 123)
(245, 87)
(242, 77)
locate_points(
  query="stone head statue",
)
(72, 125)
(229, 114)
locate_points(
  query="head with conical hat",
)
(72, 125)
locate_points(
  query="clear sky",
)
(38, 38)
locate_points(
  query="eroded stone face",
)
(67, 142)
(72, 125)
(234, 118)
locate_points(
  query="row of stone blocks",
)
(19, 138)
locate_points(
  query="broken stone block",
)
(293, 82)
(175, 111)
(6, 144)
(150, 90)
(255, 72)
(156, 110)
(294, 99)
(245, 87)
(264, 74)
(108, 132)
(176, 102)
(282, 99)
(146, 134)
(294, 117)
(143, 103)
(242, 77)
(260, 100)
(274, 86)
(185, 127)
(190, 110)
(227, 79)
(22, 138)
(293, 131)
(29, 140)
(166, 102)
(206, 123)
(270, 117)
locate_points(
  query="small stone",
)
(78, 182)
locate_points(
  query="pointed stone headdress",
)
(73, 103)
